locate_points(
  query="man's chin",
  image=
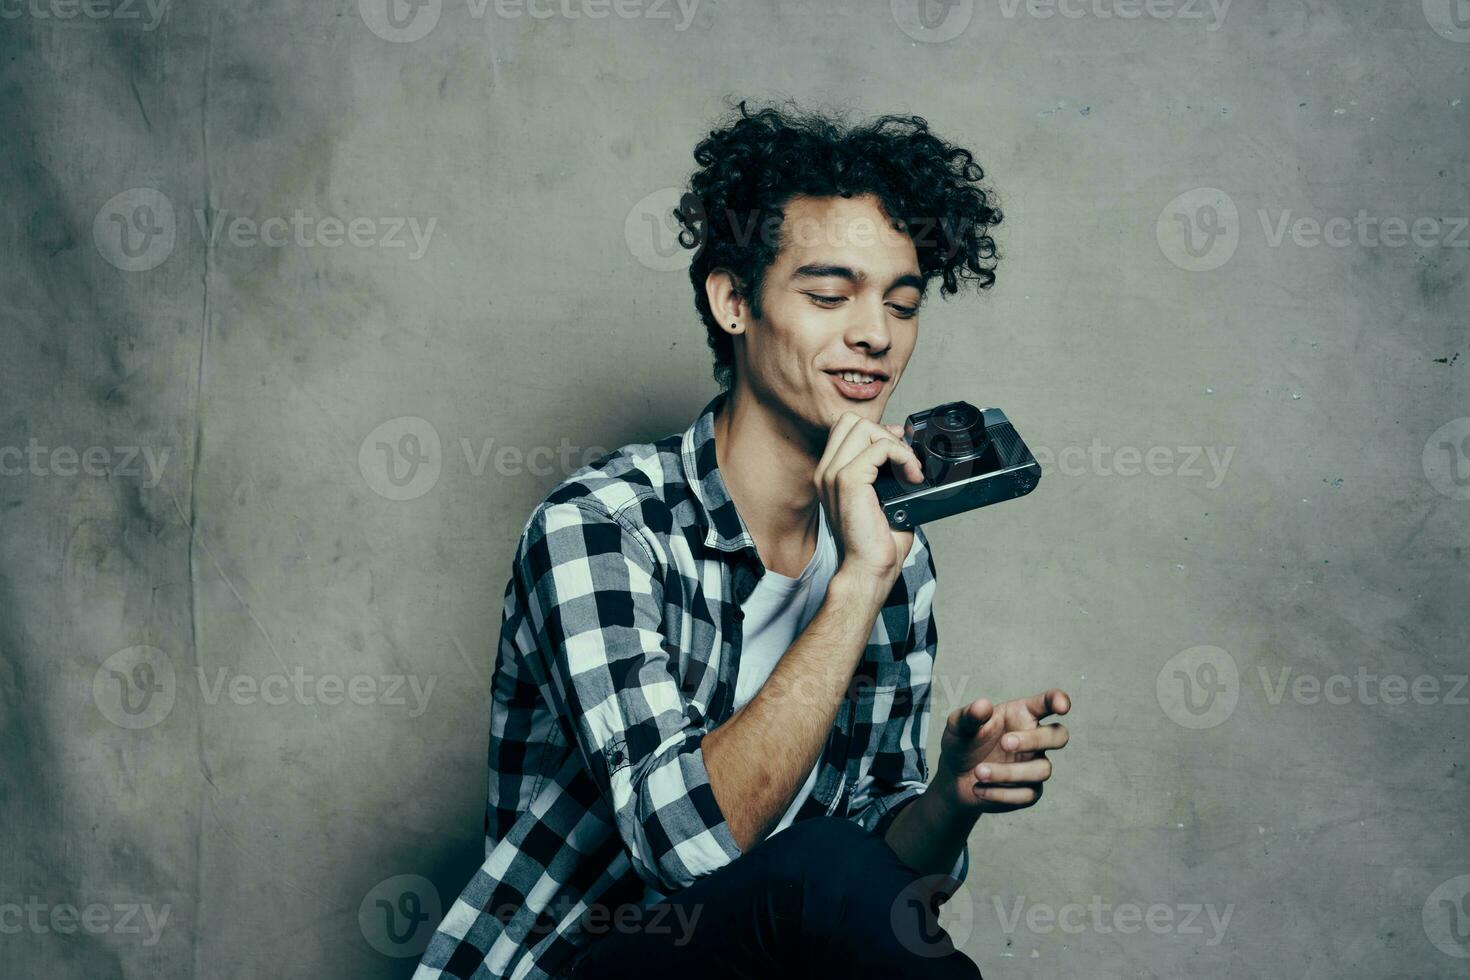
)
(835, 406)
(869, 408)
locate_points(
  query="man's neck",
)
(768, 471)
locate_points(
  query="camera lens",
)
(954, 430)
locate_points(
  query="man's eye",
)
(825, 299)
(905, 312)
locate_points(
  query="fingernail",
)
(984, 772)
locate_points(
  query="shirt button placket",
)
(744, 586)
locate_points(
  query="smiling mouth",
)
(857, 390)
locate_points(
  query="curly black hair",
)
(757, 162)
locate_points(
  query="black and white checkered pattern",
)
(619, 647)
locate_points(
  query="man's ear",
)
(726, 302)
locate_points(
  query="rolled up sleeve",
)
(594, 594)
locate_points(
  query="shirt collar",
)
(727, 530)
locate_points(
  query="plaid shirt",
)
(618, 653)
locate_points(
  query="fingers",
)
(855, 437)
(897, 431)
(863, 466)
(965, 722)
(1053, 701)
(835, 439)
(1042, 739)
(1009, 795)
(1034, 771)
(851, 436)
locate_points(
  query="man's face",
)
(843, 293)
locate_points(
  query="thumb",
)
(965, 722)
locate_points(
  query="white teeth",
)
(856, 378)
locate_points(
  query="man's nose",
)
(869, 329)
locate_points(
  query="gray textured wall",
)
(245, 673)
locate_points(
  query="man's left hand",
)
(992, 758)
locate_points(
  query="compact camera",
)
(972, 457)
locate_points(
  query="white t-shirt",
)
(776, 612)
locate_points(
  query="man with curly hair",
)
(711, 695)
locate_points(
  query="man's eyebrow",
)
(817, 270)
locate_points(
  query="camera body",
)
(971, 457)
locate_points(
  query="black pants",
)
(823, 898)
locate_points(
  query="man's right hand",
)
(856, 451)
